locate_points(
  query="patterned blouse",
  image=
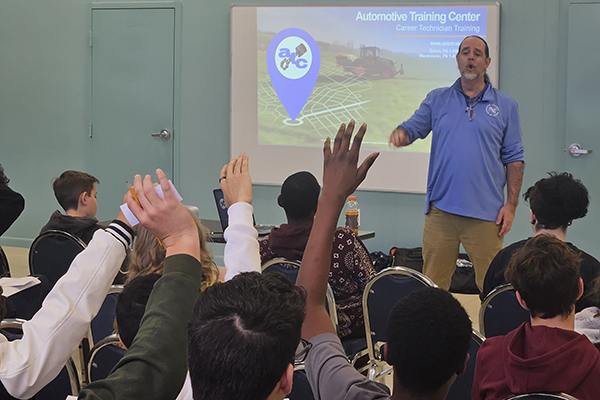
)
(351, 269)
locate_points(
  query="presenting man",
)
(476, 149)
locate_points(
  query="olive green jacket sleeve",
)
(155, 365)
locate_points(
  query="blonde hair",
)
(148, 256)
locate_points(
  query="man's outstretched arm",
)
(341, 177)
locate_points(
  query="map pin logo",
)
(293, 61)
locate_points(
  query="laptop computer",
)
(262, 229)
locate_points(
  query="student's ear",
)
(83, 198)
(521, 301)
(532, 218)
(580, 289)
(463, 366)
(385, 350)
(279, 201)
(285, 383)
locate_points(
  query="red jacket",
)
(537, 359)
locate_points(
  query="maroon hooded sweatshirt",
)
(537, 359)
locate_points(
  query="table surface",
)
(216, 236)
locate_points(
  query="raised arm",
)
(156, 363)
(341, 177)
(241, 250)
(55, 331)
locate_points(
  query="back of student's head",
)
(545, 272)
(429, 334)
(69, 185)
(131, 305)
(557, 200)
(300, 195)
(242, 336)
(148, 256)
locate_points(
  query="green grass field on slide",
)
(388, 102)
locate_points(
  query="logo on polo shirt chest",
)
(492, 110)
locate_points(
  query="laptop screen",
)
(221, 208)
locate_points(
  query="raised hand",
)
(236, 182)
(341, 176)
(165, 218)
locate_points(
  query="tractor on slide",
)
(368, 63)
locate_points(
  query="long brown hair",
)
(148, 256)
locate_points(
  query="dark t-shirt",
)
(590, 268)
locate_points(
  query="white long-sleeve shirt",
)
(54, 332)
(241, 254)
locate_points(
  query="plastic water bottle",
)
(352, 214)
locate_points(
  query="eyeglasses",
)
(302, 351)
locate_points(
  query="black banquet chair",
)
(501, 312)
(381, 294)
(543, 396)
(67, 381)
(103, 357)
(52, 252)
(462, 386)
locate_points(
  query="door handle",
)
(164, 134)
(575, 150)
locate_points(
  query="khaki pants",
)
(444, 232)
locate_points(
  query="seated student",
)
(241, 249)
(131, 303)
(76, 193)
(131, 306)
(148, 256)
(417, 374)
(555, 202)
(155, 364)
(12, 203)
(55, 331)
(351, 265)
(544, 355)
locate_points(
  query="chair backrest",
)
(287, 267)
(102, 324)
(4, 268)
(103, 357)
(501, 312)
(64, 384)
(462, 386)
(381, 294)
(301, 389)
(542, 396)
(290, 269)
(52, 252)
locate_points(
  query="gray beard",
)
(470, 76)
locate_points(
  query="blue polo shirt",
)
(466, 166)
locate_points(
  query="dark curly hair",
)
(557, 200)
(3, 179)
(299, 195)
(429, 333)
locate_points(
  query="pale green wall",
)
(43, 71)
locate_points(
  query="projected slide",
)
(298, 72)
(370, 64)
